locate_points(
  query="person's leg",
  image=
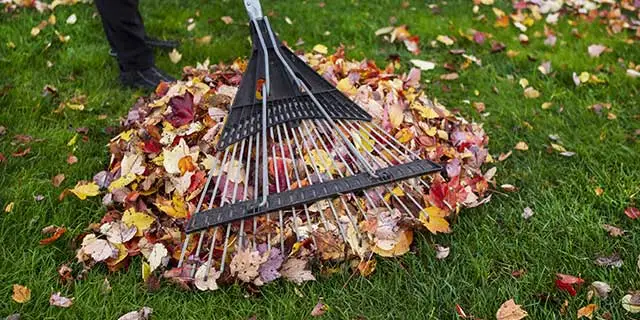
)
(124, 29)
(125, 32)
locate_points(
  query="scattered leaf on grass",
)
(175, 56)
(319, 309)
(445, 39)
(521, 146)
(227, 20)
(527, 213)
(442, 252)
(142, 314)
(613, 230)
(204, 281)
(72, 19)
(509, 187)
(598, 191)
(631, 302)
(71, 159)
(423, 65)
(85, 189)
(587, 311)
(21, 294)
(531, 93)
(449, 76)
(509, 310)
(613, 261)
(9, 207)
(601, 289)
(596, 49)
(57, 179)
(632, 212)
(57, 233)
(58, 300)
(320, 48)
(568, 283)
(21, 153)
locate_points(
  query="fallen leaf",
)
(204, 281)
(601, 289)
(227, 20)
(9, 207)
(433, 219)
(21, 153)
(598, 191)
(320, 48)
(57, 179)
(72, 19)
(367, 267)
(71, 159)
(449, 76)
(57, 233)
(58, 300)
(509, 310)
(175, 56)
(319, 309)
(613, 230)
(442, 252)
(568, 283)
(631, 302)
(527, 213)
(118, 231)
(142, 314)
(157, 255)
(445, 39)
(21, 294)
(522, 146)
(509, 187)
(423, 65)
(140, 220)
(596, 49)
(587, 311)
(613, 261)
(531, 93)
(632, 212)
(204, 40)
(294, 270)
(85, 189)
(99, 249)
(633, 73)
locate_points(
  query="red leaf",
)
(632, 212)
(152, 146)
(181, 110)
(59, 231)
(567, 282)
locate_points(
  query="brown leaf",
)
(21, 294)
(59, 301)
(510, 311)
(227, 20)
(319, 309)
(57, 179)
(21, 153)
(522, 146)
(632, 212)
(613, 231)
(71, 159)
(449, 76)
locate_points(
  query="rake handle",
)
(254, 9)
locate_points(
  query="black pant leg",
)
(124, 29)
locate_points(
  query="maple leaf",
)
(294, 270)
(84, 189)
(118, 231)
(171, 158)
(157, 256)
(509, 310)
(269, 269)
(140, 220)
(433, 219)
(245, 264)
(182, 110)
(204, 281)
(21, 294)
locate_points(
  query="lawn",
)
(488, 243)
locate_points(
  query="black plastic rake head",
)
(291, 139)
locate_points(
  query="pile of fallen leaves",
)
(41, 6)
(165, 150)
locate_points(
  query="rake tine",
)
(223, 200)
(331, 206)
(380, 163)
(244, 193)
(280, 213)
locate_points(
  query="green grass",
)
(488, 243)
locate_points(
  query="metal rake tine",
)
(377, 160)
(384, 186)
(244, 193)
(280, 213)
(331, 206)
(238, 165)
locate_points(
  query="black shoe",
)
(154, 43)
(144, 79)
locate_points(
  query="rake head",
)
(295, 154)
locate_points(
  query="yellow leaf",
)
(546, 105)
(401, 247)
(175, 56)
(321, 159)
(122, 254)
(72, 141)
(146, 271)
(175, 208)
(584, 77)
(21, 294)
(319, 48)
(425, 112)
(140, 220)
(587, 311)
(531, 93)
(9, 207)
(433, 219)
(445, 39)
(122, 182)
(405, 135)
(363, 140)
(558, 147)
(84, 190)
(126, 135)
(345, 86)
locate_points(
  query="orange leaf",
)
(186, 164)
(21, 294)
(59, 231)
(587, 311)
